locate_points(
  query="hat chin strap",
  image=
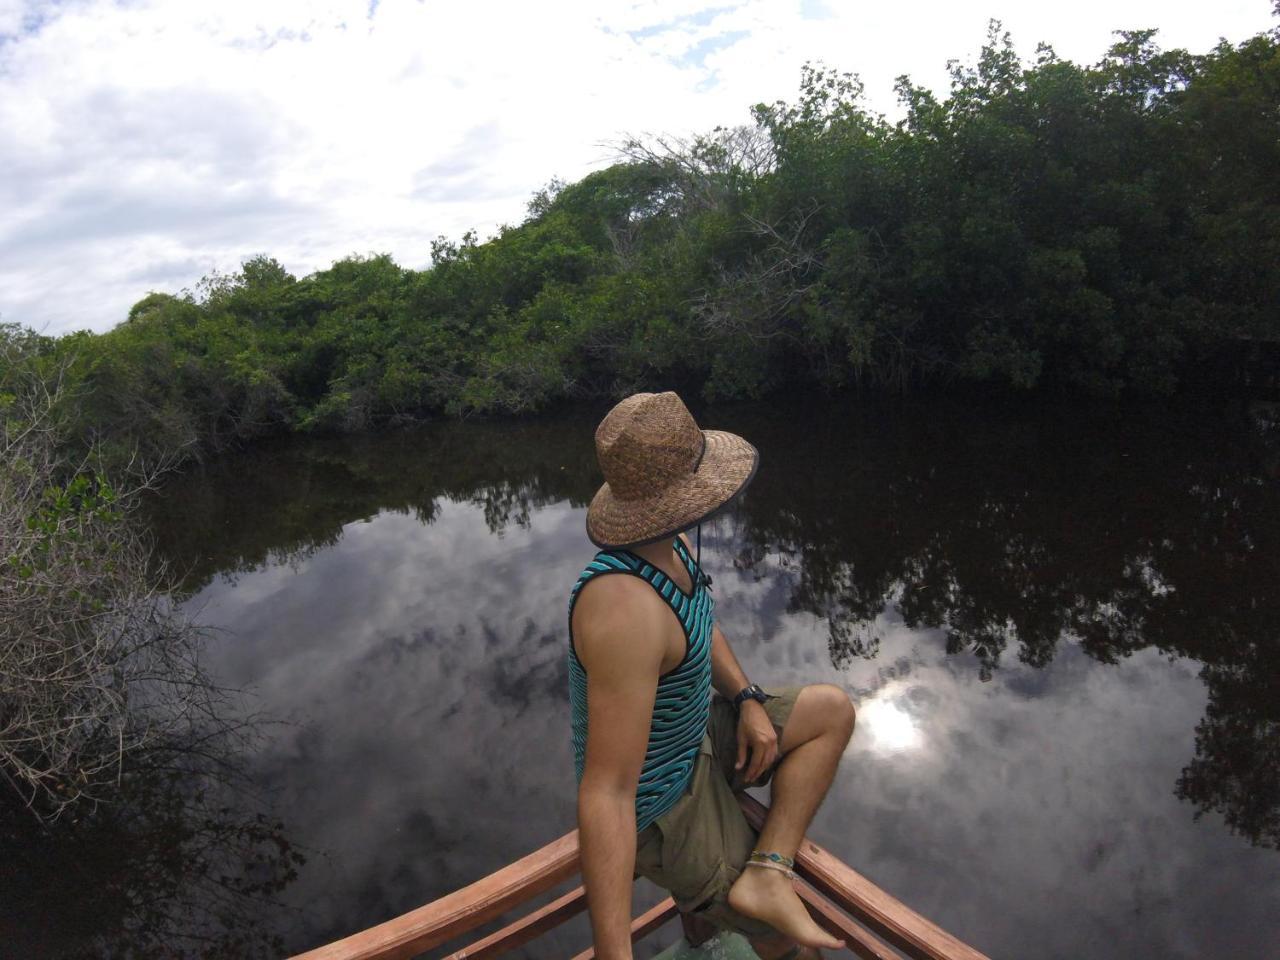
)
(703, 579)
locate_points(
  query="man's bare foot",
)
(769, 896)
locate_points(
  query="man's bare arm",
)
(757, 739)
(726, 673)
(621, 645)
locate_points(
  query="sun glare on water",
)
(892, 729)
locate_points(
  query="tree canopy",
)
(1088, 229)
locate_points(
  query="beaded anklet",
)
(758, 856)
(773, 861)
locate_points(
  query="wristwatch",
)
(750, 692)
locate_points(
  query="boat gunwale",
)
(874, 924)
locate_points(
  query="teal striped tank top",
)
(683, 700)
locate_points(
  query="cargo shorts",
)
(698, 848)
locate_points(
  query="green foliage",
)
(1087, 229)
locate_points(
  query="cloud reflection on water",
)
(1025, 802)
(427, 756)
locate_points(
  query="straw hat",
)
(662, 473)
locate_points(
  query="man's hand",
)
(757, 741)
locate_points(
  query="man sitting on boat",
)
(657, 756)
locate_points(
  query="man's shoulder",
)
(609, 591)
(618, 605)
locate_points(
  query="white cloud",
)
(146, 143)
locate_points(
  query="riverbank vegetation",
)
(1095, 230)
(100, 674)
(121, 781)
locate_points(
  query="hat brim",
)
(727, 466)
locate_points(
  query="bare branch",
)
(96, 663)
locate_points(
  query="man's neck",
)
(658, 554)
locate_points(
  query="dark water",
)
(1062, 629)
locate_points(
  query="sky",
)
(144, 145)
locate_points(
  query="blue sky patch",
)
(698, 19)
(696, 55)
(815, 10)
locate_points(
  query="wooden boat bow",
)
(873, 924)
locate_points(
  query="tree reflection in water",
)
(1111, 530)
(180, 862)
(1009, 529)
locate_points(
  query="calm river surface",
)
(1062, 629)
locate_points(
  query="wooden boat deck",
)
(726, 946)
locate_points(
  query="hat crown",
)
(648, 443)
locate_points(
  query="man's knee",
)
(835, 707)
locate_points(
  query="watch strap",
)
(750, 692)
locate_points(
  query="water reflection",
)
(1053, 620)
(892, 729)
(1101, 531)
(181, 859)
